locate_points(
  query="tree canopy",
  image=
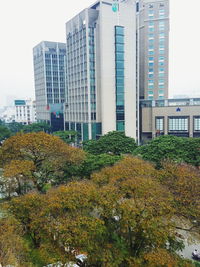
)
(123, 216)
(173, 148)
(116, 143)
(36, 159)
(37, 127)
(68, 137)
(4, 133)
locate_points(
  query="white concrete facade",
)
(103, 21)
(25, 111)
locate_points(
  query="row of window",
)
(161, 51)
(177, 124)
(161, 35)
(151, 12)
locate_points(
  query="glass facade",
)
(160, 124)
(178, 124)
(119, 77)
(196, 124)
(55, 75)
(92, 75)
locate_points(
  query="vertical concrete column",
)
(191, 126)
(165, 125)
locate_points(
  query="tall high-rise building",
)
(153, 45)
(101, 69)
(50, 80)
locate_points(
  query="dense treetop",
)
(116, 143)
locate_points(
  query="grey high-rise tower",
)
(50, 79)
(153, 48)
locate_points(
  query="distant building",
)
(179, 117)
(50, 81)
(25, 111)
(153, 46)
(7, 114)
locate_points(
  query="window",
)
(119, 39)
(161, 58)
(119, 30)
(119, 56)
(151, 58)
(150, 93)
(196, 123)
(151, 46)
(150, 70)
(151, 52)
(162, 74)
(161, 35)
(150, 75)
(178, 124)
(151, 23)
(151, 29)
(161, 25)
(151, 36)
(151, 64)
(161, 51)
(160, 124)
(150, 97)
(151, 81)
(161, 92)
(151, 86)
(161, 63)
(161, 11)
(161, 86)
(161, 69)
(151, 12)
(161, 82)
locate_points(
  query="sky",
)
(25, 23)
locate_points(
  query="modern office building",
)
(153, 48)
(25, 111)
(50, 82)
(180, 117)
(101, 70)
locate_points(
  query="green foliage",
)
(172, 148)
(68, 137)
(37, 127)
(91, 164)
(114, 143)
(4, 133)
(15, 127)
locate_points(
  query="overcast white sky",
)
(24, 23)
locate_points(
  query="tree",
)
(91, 164)
(124, 216)
(15, 127)
(68, 137)
(38, 158)
(13, 250)
(173, 148)
(37, 127)
(114, 142)
(183, 182)
(4, 133)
